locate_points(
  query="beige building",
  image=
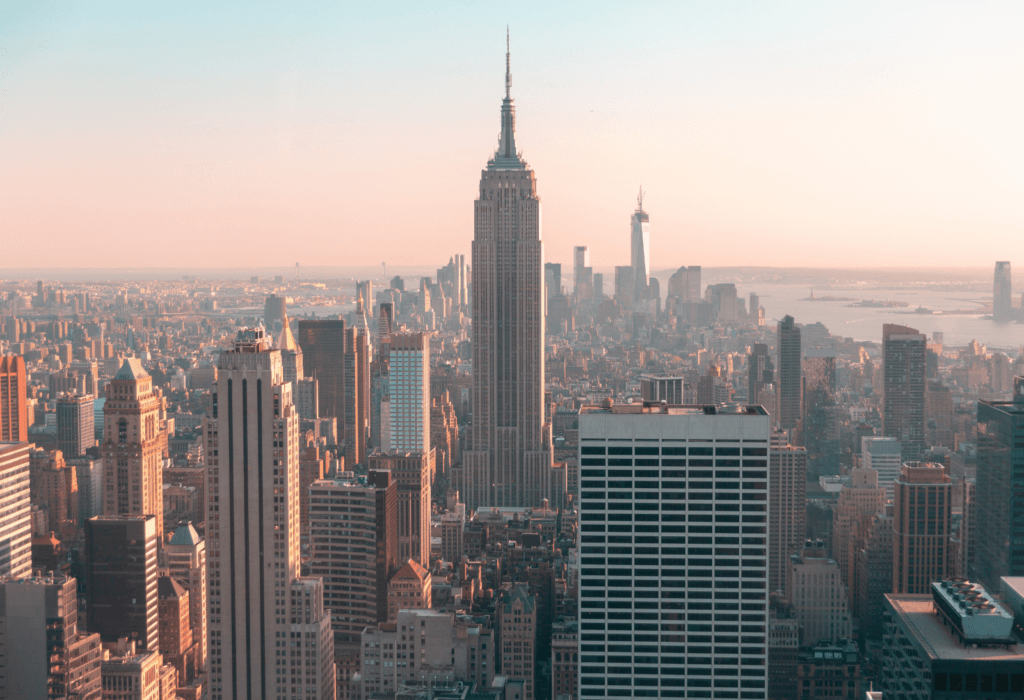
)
(134, 445)
(269, 634)
(425, 648)
(787, 509)
(921, 521)
(15, 509)
(185, 560)
(815, 588)
(517, 635)
(408, 588)
(142, 676)
(565, 660)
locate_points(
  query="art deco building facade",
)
(509, 461)
(260, 609)
(903, 387)
(134, 444)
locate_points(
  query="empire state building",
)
(509, 461)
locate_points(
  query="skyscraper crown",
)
(506, 157)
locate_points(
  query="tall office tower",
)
(662, 388)
(356, 370)
(787, 510)
(361, 518)
(409, 393)
(185, 556)
(631, 495)
(625, 285)
(815, 587)
(874, 563)
(1002, 292)
(291, 355)
(121, 578)
(362, 323)
(598, 286)
(760, 371)
(15, 506)
(582, 274)
(13, 402)
(821, 409)
(323, 354)
(42, 653)
(509, 462)
(385, 323)
(884, 455)
(57, 490)
(640, 248)
(517, 637)
(275, 311)
(999, 493)
(364, 291)
(134, 445)
(921, 521)
(253, 566)
(75, 430)
(903, 388)
(859, 501)
(411, 471)
(788, 394)
(176, 642)
(552, 280)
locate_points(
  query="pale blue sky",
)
(764, 133)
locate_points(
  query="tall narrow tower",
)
(640, 248)
(1002, 292)
(509, 463)
(257, 599)
(133, 446)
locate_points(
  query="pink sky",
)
(804, 135)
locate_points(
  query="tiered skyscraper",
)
(509, 461)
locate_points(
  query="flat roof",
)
(937, 640)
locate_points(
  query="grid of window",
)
(673, 551)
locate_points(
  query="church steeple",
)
(506, 157)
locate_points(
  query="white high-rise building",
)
(640, 248)
(15, 521)
(885, 456)
(673, 551)
(269, 636)
(408, 428)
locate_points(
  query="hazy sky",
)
(219, 134)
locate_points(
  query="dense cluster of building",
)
(492, 486)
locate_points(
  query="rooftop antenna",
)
(640, 199)
(508, 65)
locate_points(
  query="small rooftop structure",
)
(968, 608)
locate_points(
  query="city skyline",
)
(797, 114)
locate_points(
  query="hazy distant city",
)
(507, 472)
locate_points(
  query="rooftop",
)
(939, 642)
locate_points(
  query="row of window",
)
(673, 450)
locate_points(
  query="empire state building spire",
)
(506, 157)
